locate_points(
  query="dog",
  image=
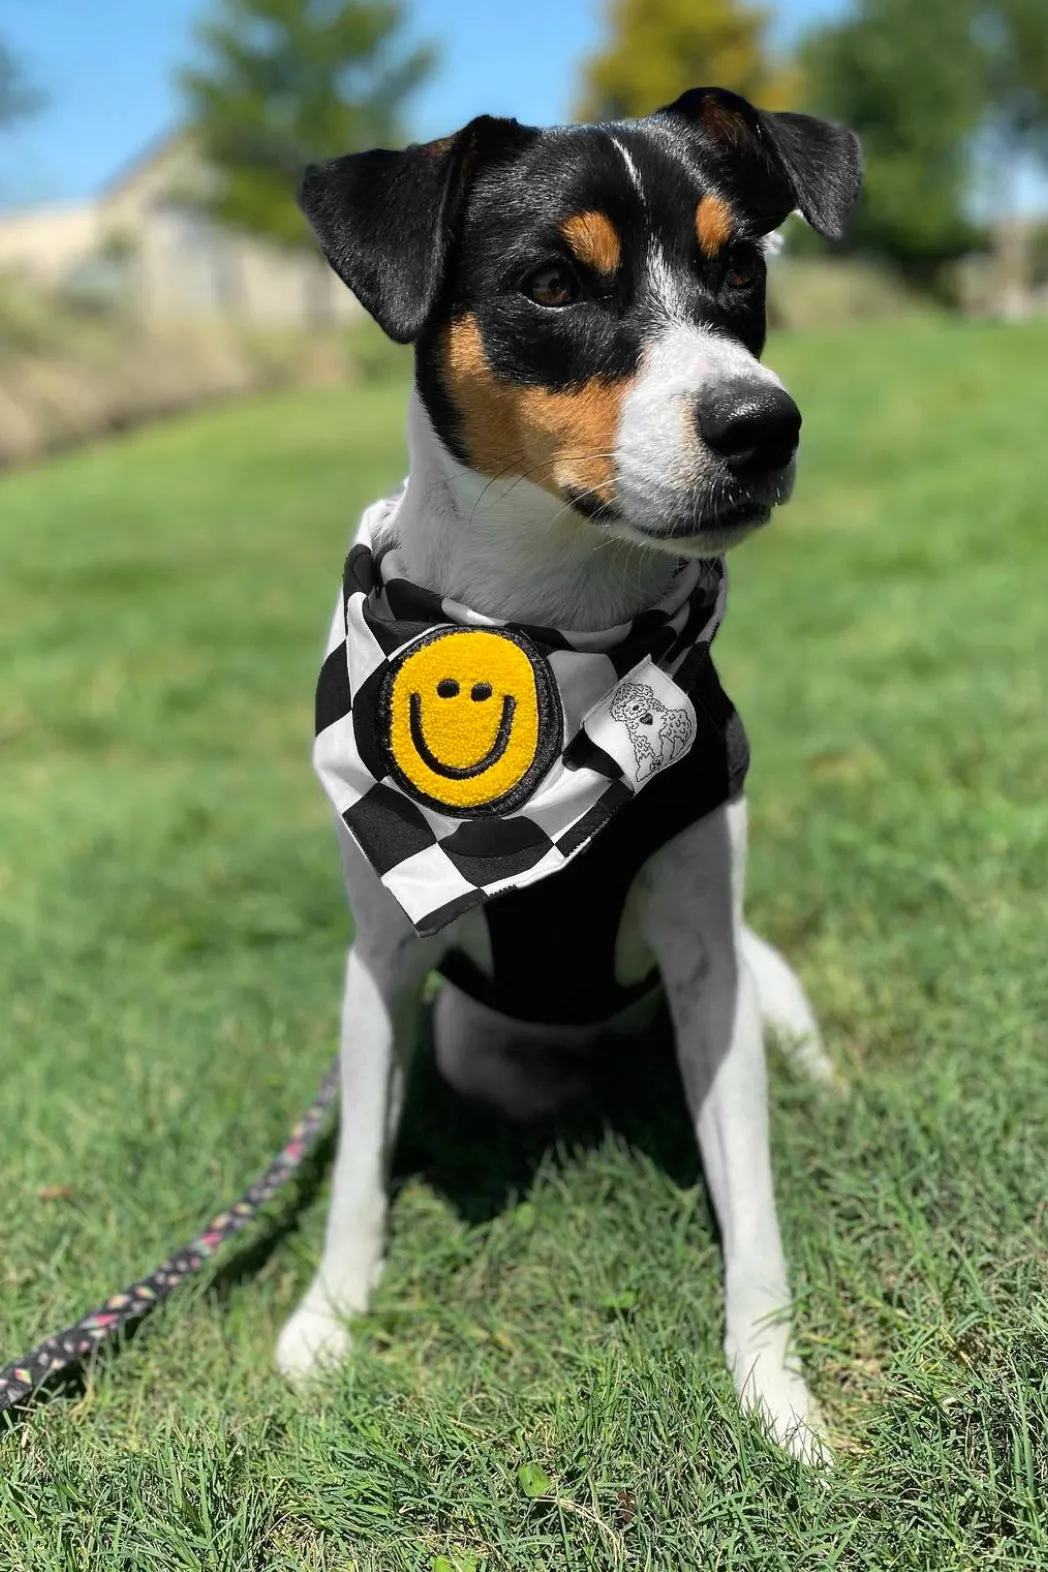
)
(658, 734)
(590, 417)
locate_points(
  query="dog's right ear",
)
(385, 220)
(779, 161)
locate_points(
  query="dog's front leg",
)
(385, 973)
(691, 913)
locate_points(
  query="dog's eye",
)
(743, 267)
(552, 285)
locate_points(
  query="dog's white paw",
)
(775, 1390)
(315, 1339)
(809, 1058)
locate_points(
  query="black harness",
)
(553, 943)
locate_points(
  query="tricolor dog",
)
(537, 777)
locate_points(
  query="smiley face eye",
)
(743, 267)
(553, 285)
(480, 691)
(447, 688)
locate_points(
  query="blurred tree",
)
(1014, 36)
(909, 78)
(927, 86)
(285, 82)
(658, 48)
(17, 98)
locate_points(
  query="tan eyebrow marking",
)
(723, 124)
(594, 240)
(712, 224)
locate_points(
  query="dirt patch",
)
(67, 378)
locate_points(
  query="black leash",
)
(25, 1376)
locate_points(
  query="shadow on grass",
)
(483, 1162)
(285, 1213)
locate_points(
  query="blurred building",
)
(1010, 280)
(146, 244)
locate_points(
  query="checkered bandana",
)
(469, 756)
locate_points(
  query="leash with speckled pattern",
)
(23, 1377)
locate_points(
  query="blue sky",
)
(108, 67)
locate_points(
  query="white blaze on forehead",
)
(660, 458)
(634, 172)
(663, 288)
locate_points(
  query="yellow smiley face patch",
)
(469, 719)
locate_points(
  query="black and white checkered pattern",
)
(438, 866)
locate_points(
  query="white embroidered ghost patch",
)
(645, 723)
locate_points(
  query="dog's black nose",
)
(754, 430)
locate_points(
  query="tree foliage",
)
(17, 98)
(1014, 37)
(286, 82)
(907, 77)
(658, 48)
(924, 84)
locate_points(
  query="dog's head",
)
(588, 303)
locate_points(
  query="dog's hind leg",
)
(785, 1010)
(385, 974)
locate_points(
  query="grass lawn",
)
(171, 938)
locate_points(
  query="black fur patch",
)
(585, 502)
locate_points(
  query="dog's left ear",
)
(386, 220)
(777, 162)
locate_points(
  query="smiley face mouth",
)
(460, 772)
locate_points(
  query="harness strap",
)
(24, 1377)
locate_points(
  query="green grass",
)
(171, 931)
